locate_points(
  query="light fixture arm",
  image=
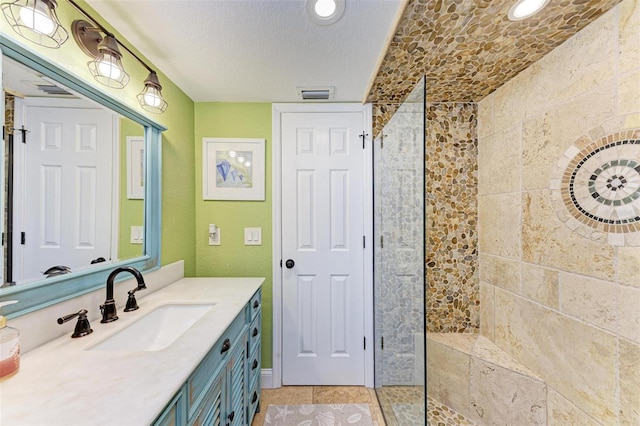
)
(100, 28)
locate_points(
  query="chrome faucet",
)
(108, 310)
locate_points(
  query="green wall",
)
(178, 189)
(232, 258)
(131, 211)
(184, 238)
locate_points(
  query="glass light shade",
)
(523, 9)
(36, 20)
(325, 12)
(325, 8)
(107, 67)
(150, 98)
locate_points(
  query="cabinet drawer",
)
(254, 366)
(255, 332)
(254, 400)
(197, 383)
(255, 304)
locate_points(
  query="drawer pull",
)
(255, 332)
(225, 346)
(232, 415)
(256, 304)
(255, 364)
(255, 397)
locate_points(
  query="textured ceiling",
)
(469, 48)
(256, 50)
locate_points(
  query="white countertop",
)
(62, 383)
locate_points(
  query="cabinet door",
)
(174, 413)
(209, 411)
(236, 401)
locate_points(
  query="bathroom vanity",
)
(207, 370)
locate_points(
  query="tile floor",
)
(403, 405)
(296, 395)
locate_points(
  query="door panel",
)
(322, 231)
(67, 161)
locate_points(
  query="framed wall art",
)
(135, 167)
(233, 169)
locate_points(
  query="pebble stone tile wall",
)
(451, 185)
(466, 49)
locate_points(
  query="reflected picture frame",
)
(135, 167)
(233, 169)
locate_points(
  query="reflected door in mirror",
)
(65, 207)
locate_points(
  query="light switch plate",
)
(137, 235)
(252, 236)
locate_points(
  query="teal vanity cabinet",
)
(225, 387)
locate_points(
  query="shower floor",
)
(404, 406)
(441, 415)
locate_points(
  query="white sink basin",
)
(156, 330)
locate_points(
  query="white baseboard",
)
(266, 378)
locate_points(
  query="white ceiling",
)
(256, 50)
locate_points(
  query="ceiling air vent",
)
(316, 93)
(53, 90)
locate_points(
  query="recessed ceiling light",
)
(325, 12)
(526, 8)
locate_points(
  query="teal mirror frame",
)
(47, 292)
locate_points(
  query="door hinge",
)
(23, 237)
(365, 343)
(381, 140)
(24, 132)
(382, 342)
(381, 241)
(363, 136)
(364, 243)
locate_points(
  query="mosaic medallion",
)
(598, 184)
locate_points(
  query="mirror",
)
(73, 180)
(75, 194)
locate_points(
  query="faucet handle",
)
(132, 304)
(82, 326)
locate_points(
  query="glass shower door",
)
(399, 264)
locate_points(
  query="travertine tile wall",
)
(566, 306)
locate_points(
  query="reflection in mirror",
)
(73, 180)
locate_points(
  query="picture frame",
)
(233, 169)
(135, 167)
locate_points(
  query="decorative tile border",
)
(595, 188)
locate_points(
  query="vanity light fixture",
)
(150, 98)
(325, 12)
(523, 9)
(36, 20)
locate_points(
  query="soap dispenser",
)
(9, 347)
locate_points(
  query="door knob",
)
(289, 263)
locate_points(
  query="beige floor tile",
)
(340, 395)
(296, 395)
(287, 395)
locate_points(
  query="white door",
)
(322, 234)
(63, 168)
